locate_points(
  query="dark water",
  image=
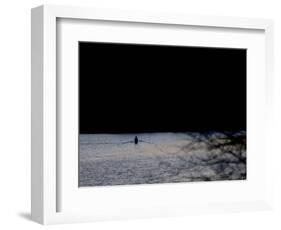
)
(115, 159)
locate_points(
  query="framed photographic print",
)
(140, 114)
(161, 114)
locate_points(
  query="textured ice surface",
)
(114, 159)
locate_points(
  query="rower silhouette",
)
(136, 140)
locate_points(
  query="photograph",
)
(161, 113)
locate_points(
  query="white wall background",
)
(15, 113)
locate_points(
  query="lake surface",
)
(114, 159)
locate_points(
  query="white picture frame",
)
(47, 180)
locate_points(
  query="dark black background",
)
(129, 88)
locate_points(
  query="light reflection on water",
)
(114, 159)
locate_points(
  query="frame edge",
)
(37, 162)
